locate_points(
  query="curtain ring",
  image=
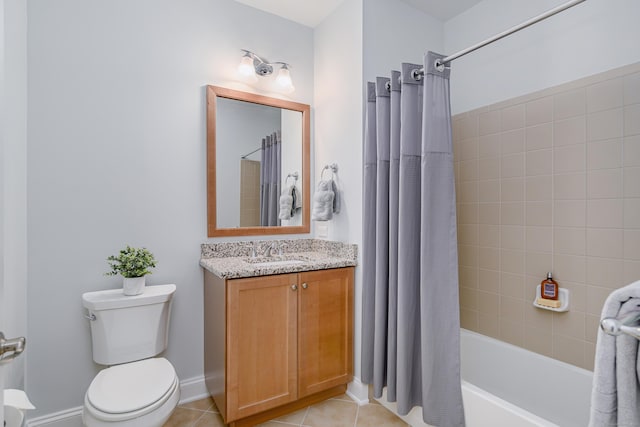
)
(416, 74)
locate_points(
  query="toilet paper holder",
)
(10, 349)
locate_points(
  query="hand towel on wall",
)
(286, 203)
(297, 200)
(324, 201)
(615, 395)
(290, 202)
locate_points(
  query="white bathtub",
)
(507, 386)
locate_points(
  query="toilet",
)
(127, 332)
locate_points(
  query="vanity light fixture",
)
(252, 65)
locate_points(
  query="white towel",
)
(323, 201)
(290, 202)
(286, 203)
(615, 395)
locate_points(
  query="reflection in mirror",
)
(254, 160)
(258, 164)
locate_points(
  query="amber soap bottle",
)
(549, 288)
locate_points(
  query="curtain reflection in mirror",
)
(270, 173)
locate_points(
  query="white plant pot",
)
(133, 285)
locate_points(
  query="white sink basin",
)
(278, 263)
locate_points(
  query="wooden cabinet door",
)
(261, 340)
(325, 329)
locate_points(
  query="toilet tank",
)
(129, 328)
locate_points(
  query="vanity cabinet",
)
(287, 342)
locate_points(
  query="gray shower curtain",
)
(270, 173)
(411, 337)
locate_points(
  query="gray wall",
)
(116, 156)
(13, 179)
(338, 130)
(396, 32)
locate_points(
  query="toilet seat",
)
(131, 390)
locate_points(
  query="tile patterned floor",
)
(340, 411)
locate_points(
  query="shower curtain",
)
(270, 173)
(411, 336)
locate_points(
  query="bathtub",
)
(507, 386)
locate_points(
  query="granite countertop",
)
(230, 260)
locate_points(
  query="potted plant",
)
(132, 264)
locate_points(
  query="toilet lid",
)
(131, 386)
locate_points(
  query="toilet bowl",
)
(137, 394)
(137, 389)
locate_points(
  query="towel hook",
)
(293, 175)
(333, 167)
(623, 325)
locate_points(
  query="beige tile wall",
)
(549, 182)
(249, 193)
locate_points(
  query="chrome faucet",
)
(268, 251)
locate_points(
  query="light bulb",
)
(246, 68)
(283, 81)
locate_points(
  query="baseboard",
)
(193, 389)
(67, 418)
(190, 390)
(358, 391)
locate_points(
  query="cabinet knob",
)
(305, 286)
(294, 287)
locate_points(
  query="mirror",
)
(257, 152)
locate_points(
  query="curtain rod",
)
(248, 154)
(440, 63)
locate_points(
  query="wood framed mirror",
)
(257, 149)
